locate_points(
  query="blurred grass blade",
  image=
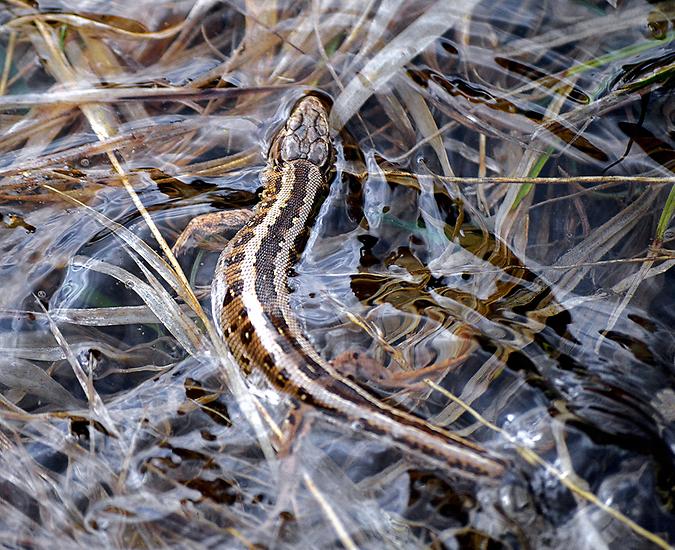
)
(159, 302)
(437, 19)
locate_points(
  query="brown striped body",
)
(251, 301)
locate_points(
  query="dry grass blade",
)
(668, 262)
(333, 518)
(102, 124)
(638, 278)
(424, 120)
(90, 25)
(7, 63)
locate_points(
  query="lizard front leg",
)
(211, 231)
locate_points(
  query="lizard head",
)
(305, 136)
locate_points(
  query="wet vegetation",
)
(497, 243)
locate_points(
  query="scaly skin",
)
(251, 301)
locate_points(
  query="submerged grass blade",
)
(155, 297)
(664, 221)
(534, 459)
(98, 408)
(25, 376)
